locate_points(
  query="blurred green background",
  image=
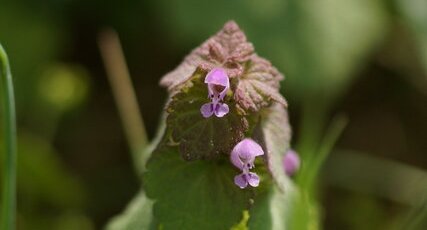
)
(366, 59)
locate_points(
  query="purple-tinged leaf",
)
(259, 86)
(256, 81)
(228, 49)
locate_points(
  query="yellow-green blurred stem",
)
(9, 129)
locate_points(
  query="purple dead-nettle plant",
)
(224, 115)
(291, 162)
(218, 85)
(243, 157)
(243, 92)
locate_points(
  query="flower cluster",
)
(244, 153)
(243, 157)
(218, 84)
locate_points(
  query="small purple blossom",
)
(243, 157)
(291, 162)
(218, 84)
(219, 109)
(242, 180)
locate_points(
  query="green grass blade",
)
(309, 176)
(9, 128)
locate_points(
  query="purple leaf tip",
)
(256, 80)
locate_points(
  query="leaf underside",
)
(271, 210)
(274, 133)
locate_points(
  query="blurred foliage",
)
(367, 58)
(63, 87)
(49, 195)
(414, 13)
(43, 181)
(33, 40)
(313, 41)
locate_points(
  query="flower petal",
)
(221, 109)
(291, 162)
(240, 180)
(217, 76)
(252, 179)
(207, 110)
(247, 150)
(235, 159)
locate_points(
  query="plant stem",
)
(9, 121)
(124, 94)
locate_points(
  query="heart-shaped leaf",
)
(193, 195)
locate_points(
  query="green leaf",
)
(138, 215)
(272, 209)
(193, 195)
(260, 214)
(199, 137)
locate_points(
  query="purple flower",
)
(243, 157)
(219, 109)
(291, 162)
(244, 153)
(242, 180)
(218, 84)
